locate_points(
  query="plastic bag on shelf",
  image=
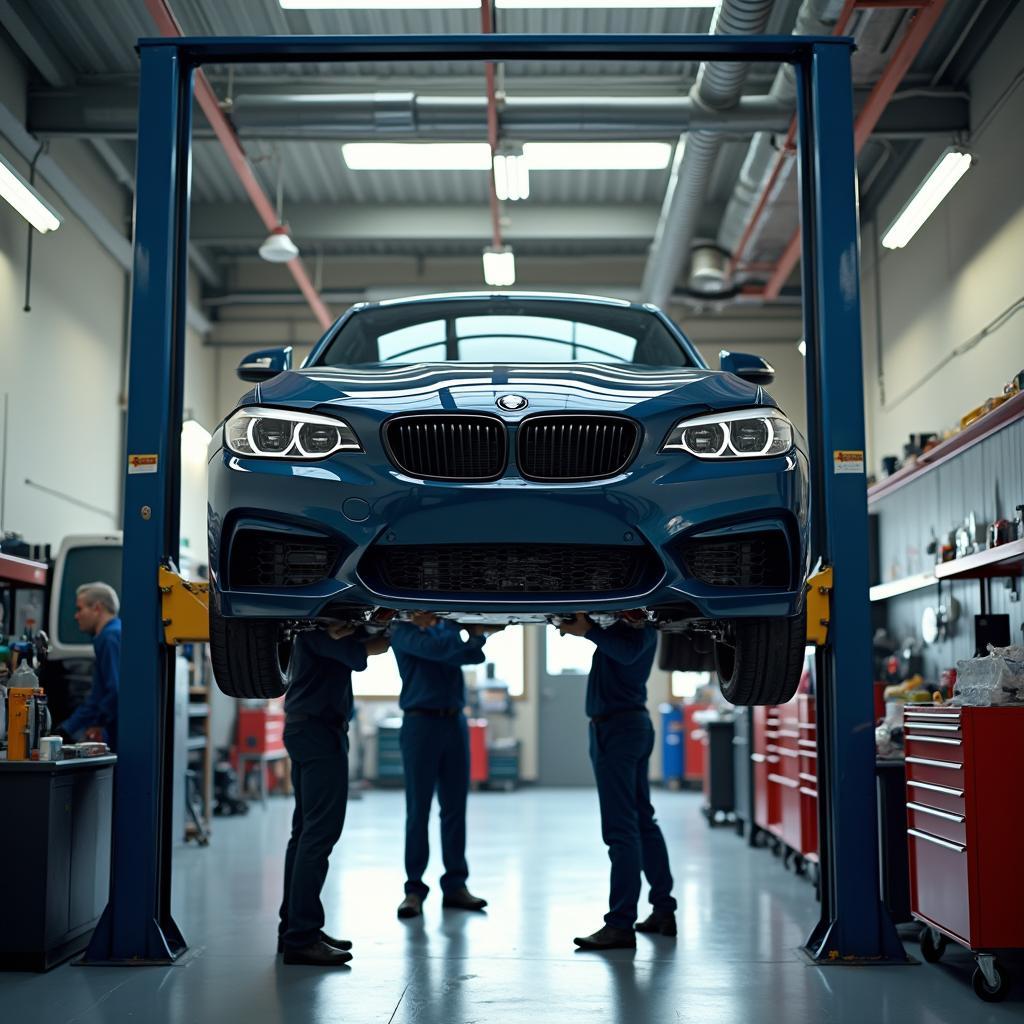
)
(997, 678)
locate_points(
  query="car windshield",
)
(504, 330)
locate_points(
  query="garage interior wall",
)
(958, 273)
(61, 363)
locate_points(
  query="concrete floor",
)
(537, 856)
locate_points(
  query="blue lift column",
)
(855, 926)
(137, 926)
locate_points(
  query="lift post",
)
(136, 926)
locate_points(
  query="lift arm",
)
(819, 604)
(184, 609)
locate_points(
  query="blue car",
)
(510, 458)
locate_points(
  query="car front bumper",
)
(360, 500)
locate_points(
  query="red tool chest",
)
(693, 747)
(784, 752)
(965, 825)
(479, 767)
(261, 730)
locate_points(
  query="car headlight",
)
(280, 434)
(743, 434)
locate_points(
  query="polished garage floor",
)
(537, 856)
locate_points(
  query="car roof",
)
(598, 300)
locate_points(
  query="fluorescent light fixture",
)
(26, 200)
(801, 347)
(417, 156)
(510, 5)
(499, 268)
(597, 156)
(948, 170)
(379, 5)
(511, 177)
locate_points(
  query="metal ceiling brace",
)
(855, 928)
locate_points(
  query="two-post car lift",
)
(137, 926)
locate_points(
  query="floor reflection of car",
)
(510, 458)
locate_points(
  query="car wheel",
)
(760, 660)
(249, 656)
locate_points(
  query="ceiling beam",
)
(30, 36)
(227, 224)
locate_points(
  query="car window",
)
(499, 330)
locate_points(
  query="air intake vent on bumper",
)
(510, 568)
(266, 559)
(745, 560)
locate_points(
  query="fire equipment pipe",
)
(914, 38)
(167, 24)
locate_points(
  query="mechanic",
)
(95, 719)
(435, 751)
(621, 741)
(318, 705)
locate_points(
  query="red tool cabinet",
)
(784, 752)
(693, 748)
(965, 831)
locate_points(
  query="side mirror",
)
(267, 363)
(747, 367)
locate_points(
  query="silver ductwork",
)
(718, 87)
(814, 18)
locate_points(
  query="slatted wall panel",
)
(987, 479)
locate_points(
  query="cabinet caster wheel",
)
(991, 983)
(933, 945)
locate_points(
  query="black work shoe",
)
(608, 938)
(318, 954)
(344, 944)
(658, 924)
(463, 899)
(411, 906)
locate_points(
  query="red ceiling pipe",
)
(913, 39)
(487, 25)
(167, 24)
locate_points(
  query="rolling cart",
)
(965, 834)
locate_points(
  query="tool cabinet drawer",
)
(930, 769)
(949, 825)
(941, 797)
(939, 882)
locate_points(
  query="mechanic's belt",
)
(294, 717)
(434, 712)
(598, 719)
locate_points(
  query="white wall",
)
(955, 276)
(60, 364)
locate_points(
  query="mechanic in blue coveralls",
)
(318, 707)
(96, 608)
(621, 741)
(435, 751)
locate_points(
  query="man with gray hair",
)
(96, 608)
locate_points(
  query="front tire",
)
(249, 656)
(760, 660)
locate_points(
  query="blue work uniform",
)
(435, 745)
(318, 705)
(100, 707)
(621, 741)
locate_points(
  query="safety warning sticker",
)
(848, 462)
(142, 463)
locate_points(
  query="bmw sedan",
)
(510, 458)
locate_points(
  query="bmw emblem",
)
(512, 403)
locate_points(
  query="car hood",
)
(547, 387)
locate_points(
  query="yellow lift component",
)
(819, 604)
(184, 607)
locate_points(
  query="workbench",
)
(56, 825)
